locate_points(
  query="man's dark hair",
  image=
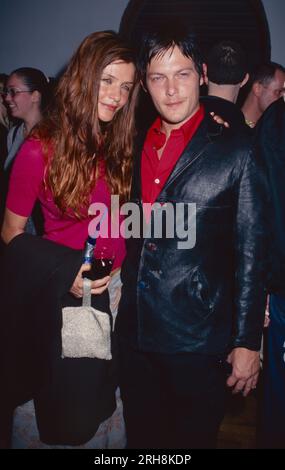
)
(164, 39)
(226, 63)
(264, 73)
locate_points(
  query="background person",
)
(225, 74)
(27, 96)
(267, 86)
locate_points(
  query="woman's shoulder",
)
(31, 155)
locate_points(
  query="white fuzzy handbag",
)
(86, 332)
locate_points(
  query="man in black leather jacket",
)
(192, 302)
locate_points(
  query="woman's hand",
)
(97, 287)
(219, 119)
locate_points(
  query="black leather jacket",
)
(209, 298)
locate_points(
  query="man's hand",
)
(246, 365)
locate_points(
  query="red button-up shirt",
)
(155, 171)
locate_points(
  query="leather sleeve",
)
(251, 254)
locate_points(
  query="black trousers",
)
(171, 401)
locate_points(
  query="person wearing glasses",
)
(26, 96)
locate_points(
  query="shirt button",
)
(157, 181)
(143, 285)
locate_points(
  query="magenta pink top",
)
(26, 186)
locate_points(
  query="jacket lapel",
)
(204, 136)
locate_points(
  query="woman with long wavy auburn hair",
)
(79, 154)
(82, 152)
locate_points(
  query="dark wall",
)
(243, 21)
(44, 33)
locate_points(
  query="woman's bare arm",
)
(13, 225)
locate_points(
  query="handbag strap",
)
(86, 300)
